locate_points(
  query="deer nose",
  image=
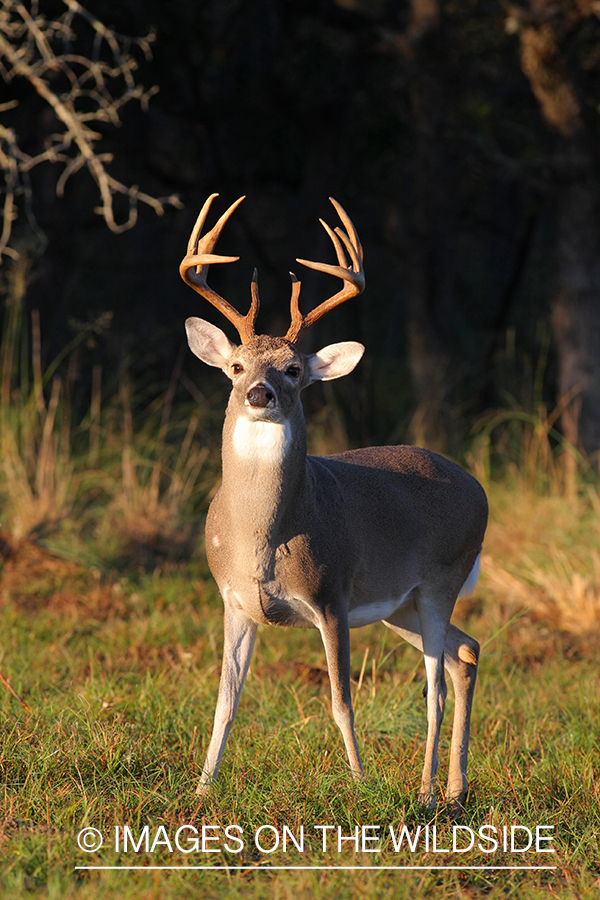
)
(260, 396)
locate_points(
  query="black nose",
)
(260, 396)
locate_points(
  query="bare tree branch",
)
(81, 89)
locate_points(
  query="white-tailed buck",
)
(330, 542)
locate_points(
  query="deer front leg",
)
(422, 628)
(336, 640)
(240, 634)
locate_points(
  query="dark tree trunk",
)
(428, 275)
(576, 302)
(576, 307)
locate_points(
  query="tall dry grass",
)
(133, 478)
(37, 480)
(542, 549)
(158, 467)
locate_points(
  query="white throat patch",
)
(261, 441)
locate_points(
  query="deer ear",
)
(209, 343)
(334, 361)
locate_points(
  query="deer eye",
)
(237, 368)
(293, 371)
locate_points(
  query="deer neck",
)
(264, 473)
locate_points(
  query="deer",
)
(391, 533)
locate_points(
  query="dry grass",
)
(154, 485)
(131, 478)
(541, 562)
(542, 558)
(39, 484)
(560, 595)
(35, 579)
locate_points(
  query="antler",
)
(199, 257)
(353, 275)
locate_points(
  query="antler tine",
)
(194, 269)
(255, 304)
(352, 274)
(297, 317)
(347, 222)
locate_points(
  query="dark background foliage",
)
(461, 137)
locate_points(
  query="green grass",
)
(120, 667)
(122, 679)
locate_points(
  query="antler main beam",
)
(348, 249)
(352, 274)
(194, 269)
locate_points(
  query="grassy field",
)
(111, 632)
(121, 674)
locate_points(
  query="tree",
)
(559, 56)
(83, 74)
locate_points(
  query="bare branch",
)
(81, 91)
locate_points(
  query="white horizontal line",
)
(250, 868)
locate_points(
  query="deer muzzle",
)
(260, 396)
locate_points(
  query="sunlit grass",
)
(120, 667)
(122, 693)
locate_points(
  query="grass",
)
(109, 473)
(121, 676)
(111, 633)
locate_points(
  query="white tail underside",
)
(470, 584)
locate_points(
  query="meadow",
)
(110, 643)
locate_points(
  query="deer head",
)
(268, 372)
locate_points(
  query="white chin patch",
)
(261, 440)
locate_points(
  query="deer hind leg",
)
(461, 656)
(336, 640)
(239, 637)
